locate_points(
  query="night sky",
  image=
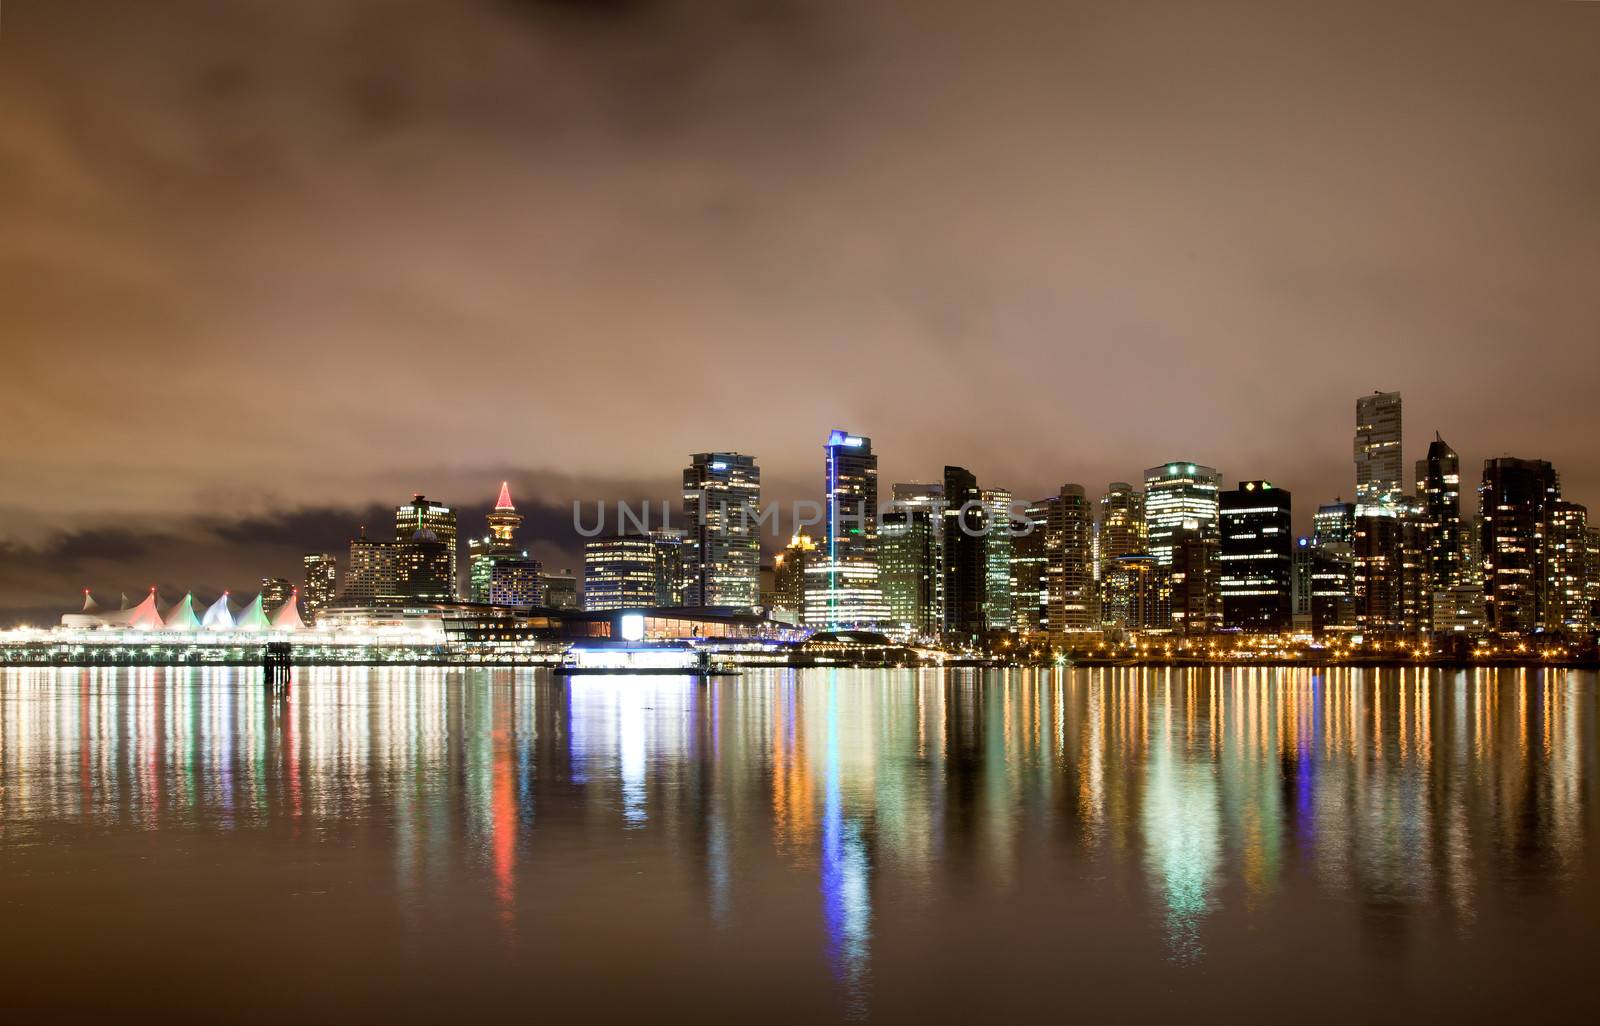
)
(267, 268)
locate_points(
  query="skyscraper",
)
(1192, 579)
(619, 573)
(908, 559)
(1030, 568)
(842, 589)
(789, 574)
(322, 583)
(275, 592)
(671, 544)
(1334, 522)
(1176, 496)
(498, 572)
(1515, 501)
(1256, 558)
(964, 568)
(1380, 471)
(997, 613)
(721, 501)
(1121, 531)
(1439, 495)
(1567, 568)
(423, 514)
(1069, 562)
(374, 570)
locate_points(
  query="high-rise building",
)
(1379, 604)
(560, 589)
(619, 573)
(997, 613)
(789, 575)
(1130, 589)
(1256, 558)
(1439, 495)
(1567, 569)
(423, 514)
(1177, 497)
(275, 592)
(1303, 562)
(498, 572)
(1458, 611)
(424, 571)
(842, 587)
(1334, 522)
(929, 496)
(1332, 587)
(721, 503)
(1069, 567)
(322, 583)
(1193, 603)
(1592, 574)
(908, 560)
(1515, 501)
(964, 568)
(374, 571)
(1121, 530)
(1380, 471)
(1030, 568)
(671, 555)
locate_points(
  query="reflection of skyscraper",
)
(1380, 471)
(322, 578)
(1256, 558)
(844, 589)
(721, 498)
(423, 514)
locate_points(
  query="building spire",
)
(504, 502)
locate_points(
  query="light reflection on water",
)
(618, 845)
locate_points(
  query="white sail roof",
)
(218, 617)
(145, 616)
(89, 604)
(287, 618)
(181, 616)
(253, 618)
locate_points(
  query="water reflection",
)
(1199, 804)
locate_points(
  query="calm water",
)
(1090, 845)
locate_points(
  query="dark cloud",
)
(299, 255)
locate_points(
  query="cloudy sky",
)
(268, 266)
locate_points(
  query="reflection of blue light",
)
(846, 903)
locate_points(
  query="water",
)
(407, 844)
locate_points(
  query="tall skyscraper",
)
(908, 560)
(275, 592)
(423, 514)
(1380, 471)
(671, 544)
(1192, 579)
(1515, 501)
(1069, 568)
(322, 583)
(1256, 558)
(374, 571)
(619, 573)
(1030, 568)
(1567, 569)
(964, 568)
(1130, 594)
(1334, 522)
(928, 496)
(789, 575)
(1121, 530)
(843, 589)
(997, 612)
(1178, 496)
(498, 572)
(1439, 495)
(1379, 603)
(721, 501)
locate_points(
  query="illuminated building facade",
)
(1515, 501)
(1256, 558)
(842, 586)
(1439, 496)
(499, 573)
(1030, 562)
(997, 611)
(1121, 529)
(439, 520)
(322, 583)
(1069, 562)
(374, 569)
(789, 575)
(721, 500)
(1332, 587)
(275, 592)
(964, 576)
(1193, 601)
(1567, 568)
(1334, 522)
(619, 573)
(1380, 471)
(908, 561)
(1130, 593)
(672, 547)
(560, 590)
(423, 571)
(1179, 497)
(1458, 611)
(1379, 608)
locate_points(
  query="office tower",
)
(322, 583)
(1030, 559)
(1439, 494)
(1069, 566)
(1192, 580)
(1377, 585)
(929, 496)
(842, 588)
(560, 589)
(964, 576)
(1130, 586)
(997, 614)
(619, 573)
(423, 514)
(908, 560)
(671, 555)
(1515, 501)
(1302, 564)
(1380, 480)
(1121, 529)
(789, 575)
(1567, 568)
(373, 573)
(1416, 594)
(1256, 558)
(1332, 587)
(1592, 574)
(499, 573)
(721, 502)
(1458, 611)
(275, 592)
(1177, 495)
(424, 571)
(1472, 549)
(1334, 522)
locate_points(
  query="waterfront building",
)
(1592, 574)
(842, 587)
(1332, 588)
(275, 592)
(672, 546)
(374, 570)
(1193, 603)
(1255, 557)
(1069, 562)
(964, 569)
(1130, 589)
(1121, 529)
(499, 573)
(423, 514)
(560, 590)
(619, 573)
(322, 582)
(1515, 501)
(908, 558)
(929, 496)
(789, 575)
(721, 502)
(1567, 568)
(1179, 497)
(1377, 585)
(1458, 611)
(1380, 471)
(997, 612)
(1439, 495)
(1030, 559)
